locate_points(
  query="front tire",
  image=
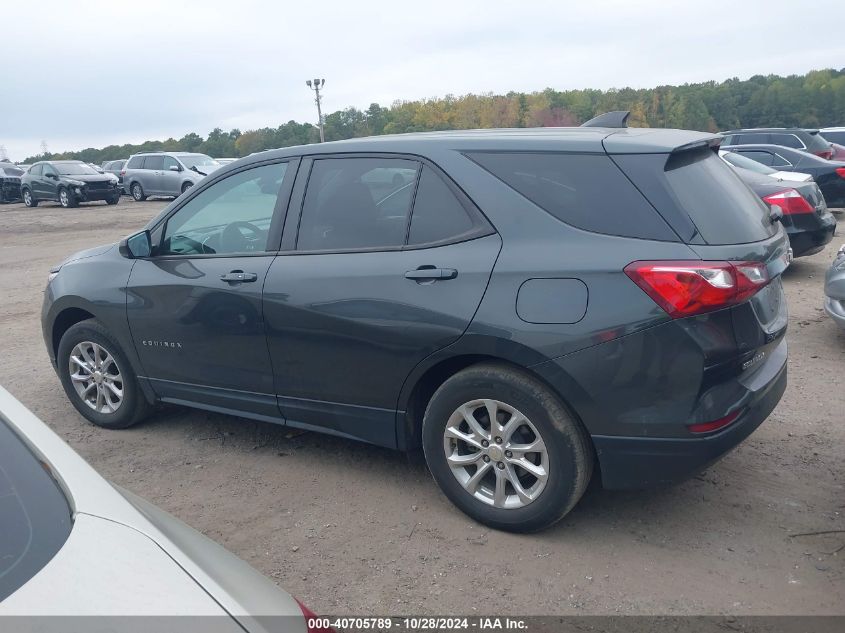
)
(66, 198)
(97, 377)
(28, 199)
(504, 449)
(187, 186)
(137, 192)
(113, 200)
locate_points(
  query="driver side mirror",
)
(175, 168)
(135, 246)
(53, 176)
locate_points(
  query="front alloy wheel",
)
(496, 453)
(96, 377)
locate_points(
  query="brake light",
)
(715, 425)
(841, 171)
(686, 288)
(122, 172)
(312, 622)
(790, 201)
(827, 154)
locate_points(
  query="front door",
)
(194, 306)
(171, 176)
(49, 184)
(150, 176)
(370, 288)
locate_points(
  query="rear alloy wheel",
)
(98, 378)
(28, 199)
(137, 192)
(505, 449)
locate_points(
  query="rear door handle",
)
(238, 276)
(430, 273)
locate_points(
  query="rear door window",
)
(153, 162)
(35, 517)
(136, 162)
(764, 158)
(700, 185)
(438, 215)
(587, 191)
(750, 138)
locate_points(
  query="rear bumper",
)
(809, 240)
(642, 462)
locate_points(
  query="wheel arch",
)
(64, 320)
(428, 376)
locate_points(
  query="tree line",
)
(815, 99)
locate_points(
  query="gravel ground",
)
(351, 528)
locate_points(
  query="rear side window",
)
(700, 185)
(135, 162)
(787, 140)
(764, 158)
(438, 215)
(587, 191)
(153, 162)
(355, 203)
(35, 518)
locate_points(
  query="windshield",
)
(35, 518)
(198, 160)
(75, 169)
(746, 163)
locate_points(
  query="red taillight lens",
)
(827, 154)
(841, 171)
(715, 425)
(122, 172)
(311, 620)
(686, 288)
(790, 201)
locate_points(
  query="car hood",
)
(88, 252)
(89, 177)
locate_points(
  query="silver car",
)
(73, 544)
(834, 289)
(165, 173)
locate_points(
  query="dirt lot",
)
(351, 528)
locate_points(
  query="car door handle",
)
(430, 273)
(238, 276)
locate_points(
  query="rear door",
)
(384, 261)
(195, 304)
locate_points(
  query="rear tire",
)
(97, 377)
(28, 199)
(543, 436)
(137, 192)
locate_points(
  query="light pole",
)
(315, 86)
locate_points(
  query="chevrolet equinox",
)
(523, 305)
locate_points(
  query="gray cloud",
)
(99, 72)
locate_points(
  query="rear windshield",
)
(587, 191)
(700, 196)
(35, 518)
(738, 160)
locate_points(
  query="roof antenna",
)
(618, 118)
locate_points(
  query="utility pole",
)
(315, 86)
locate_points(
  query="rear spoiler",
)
(617, 118)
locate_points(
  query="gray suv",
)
(526, 306)
(165, 173)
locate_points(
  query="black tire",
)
(28, 200)
(113, 200)
(187, 186)
(137, 192)
(133, 407)
(569, 452)
(68, 200)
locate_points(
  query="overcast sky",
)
(82, 73)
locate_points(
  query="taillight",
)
(686, 288)
(790, 201)
(313, 623)
(715, 425)
(841, 171)
(122, 172)
(827, 154)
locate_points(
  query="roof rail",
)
(617, 118)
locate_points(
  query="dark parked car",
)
(519, 304)
(69, 182)
(797, 138)
(828, 174)
(10, 182)
(115, 168)
(802, 210)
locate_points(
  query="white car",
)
(74, 544)
(738, 160)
